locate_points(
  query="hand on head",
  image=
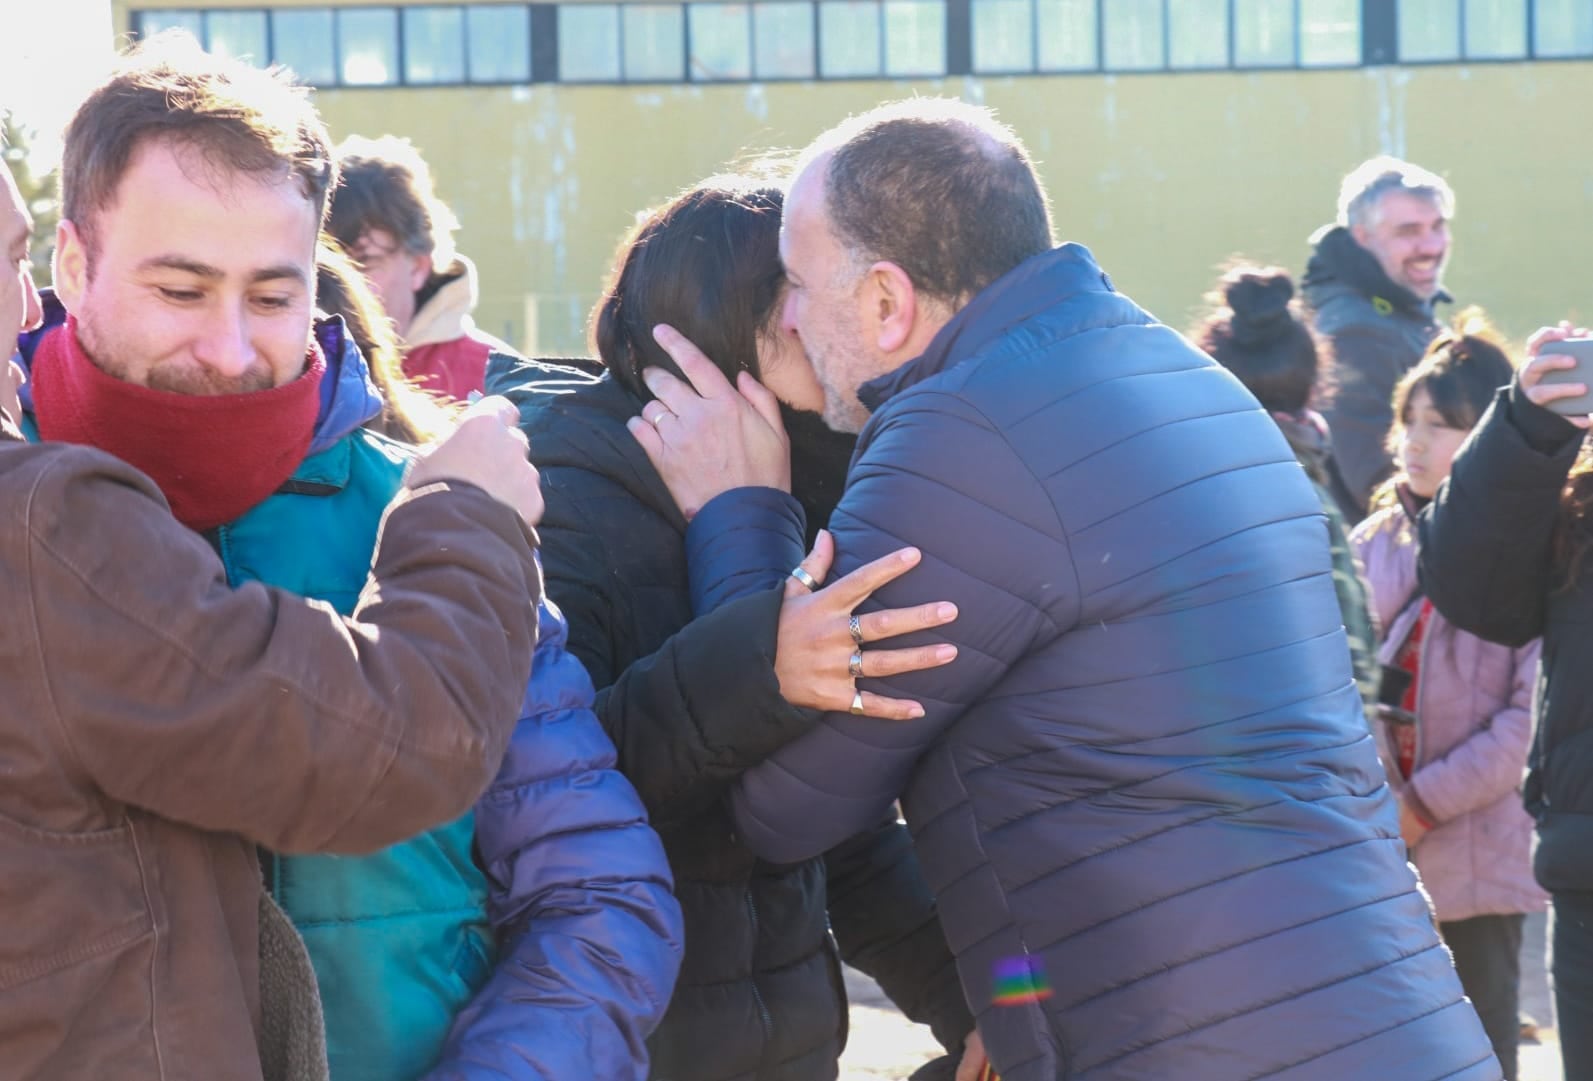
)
(488, 450)
(1539, 363)
(709, 437)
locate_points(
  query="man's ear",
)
(891, 306)
(69, 270)
(419, 272)
(1360, 233)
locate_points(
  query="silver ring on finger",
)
(855, 626)
(854, 665)
(800, 574)
(857, 702)
(660, 411)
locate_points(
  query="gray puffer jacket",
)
(1144, 793)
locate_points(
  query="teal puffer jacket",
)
(399, 938)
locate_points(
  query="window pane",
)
(655, 44)
(1003, 35)
(1197, 33)
(498, 43)
(302, 41)
(241, 34)
(434, 45)
(721, 45)
(1496, 29)
(589, 43)
(915, 37)
(1067, 35)
(368, 41)
(849, 43)
(151, 23)
(1133, 34)
(782, 40)
(1429, 30)
(1263, 33)
(1563, 28)
(1330, 32)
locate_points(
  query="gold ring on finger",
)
(855, 626)
(857, 702)
(854, 666)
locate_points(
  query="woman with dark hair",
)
(1503, 555)
(1257, 331)
(694, 694)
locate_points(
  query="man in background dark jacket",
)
(1144, 792)
(1372, 282)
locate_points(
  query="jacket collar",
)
(1035, 285)
(1337, 257)
(447, 301)
(348, 396)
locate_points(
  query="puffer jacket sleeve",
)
(743, 541)
(1486, 557)
(887, 925)
(590, 932)
(923, 479)
(881, 910)
(1489, 764)
(716, 675)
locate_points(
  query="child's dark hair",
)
(1462, 369)
(1460, 372)
(1257, 331)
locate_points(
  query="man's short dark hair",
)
(387, 185)
(237, 118)
(939, 187)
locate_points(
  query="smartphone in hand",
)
(1580, 350)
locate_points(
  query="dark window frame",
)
(1378, 25)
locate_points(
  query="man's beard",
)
(819, 460)
(195, 381)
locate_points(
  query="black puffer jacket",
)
(1489, 562)
(1378, 330)
(760, 994)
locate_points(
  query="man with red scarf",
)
(136, 787)
(182, 339)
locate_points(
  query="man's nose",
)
(224, 346)
(788, 316)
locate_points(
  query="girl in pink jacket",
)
(1454, 719)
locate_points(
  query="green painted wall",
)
(1163, 176)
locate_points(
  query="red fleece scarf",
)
(213, 456)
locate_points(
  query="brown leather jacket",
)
(156, 725)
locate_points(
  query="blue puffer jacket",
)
(405, 939)
(1144, 793)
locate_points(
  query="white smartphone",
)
(1581, 350)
